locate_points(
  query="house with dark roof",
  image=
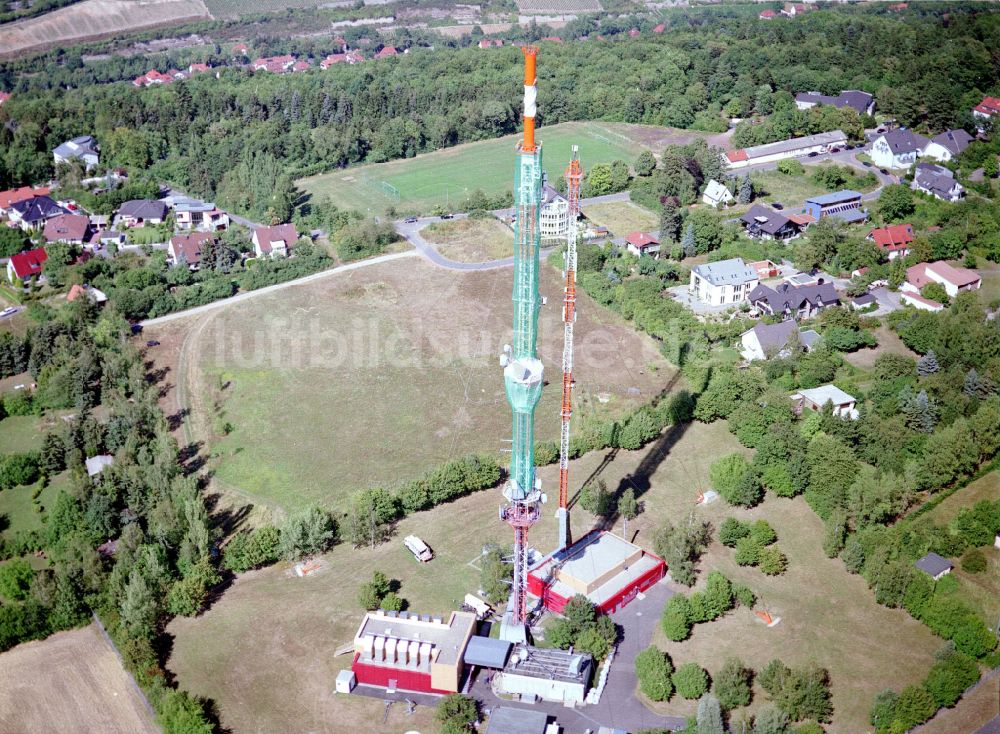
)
(33, 213)
(862, 102)
(24, 265)
(12, 196)
(897, 148)
(765, 341)
(893, 240)
(553, 217)
(845, 205)
(937, 181)
(274, 241)
(760, 222)
(794, 302)
(83, 148)
(74, 229)
(140, 212)
(865, 300)
(934, 565)
(947, 145)
(185, 249)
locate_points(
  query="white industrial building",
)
(726, 281)
(546, 674)
(794, 148)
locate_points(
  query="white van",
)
(418, 548)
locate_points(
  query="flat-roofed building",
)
(545, 673)
(606, 569)
(412, 652)
(793, 148)
(723, 282)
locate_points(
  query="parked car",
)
(152, 343)
(418, 548)
(877, 284)
(410, 220)
(813, 154)
(883, 172)
(834, 150)
(447, 216)
(8, 311)
(777, 205)
(866, 163)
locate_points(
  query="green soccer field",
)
(448, 176)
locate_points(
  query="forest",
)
(235, 138)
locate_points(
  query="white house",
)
(986, 111)
(947, 145)
(717, 193)
(554, 215)
(955, 280)
(274, 241)
(200, 215)
(83, 148)
(897, 148)
(844, 405)
(641, 243)
(723, 282)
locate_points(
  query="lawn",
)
(622, 217)
(990, 290)
(828, 618)
(471, 240)
(21, 433)
(446, 177)
(791, 191)
(72, 681)
(18, 509)
(378, 375)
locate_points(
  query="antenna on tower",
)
(574, 179)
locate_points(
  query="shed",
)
(934, 565)
(508, 720)
(487, 652)
(346, 680)
(97, 464)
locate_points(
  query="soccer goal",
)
(389, 189)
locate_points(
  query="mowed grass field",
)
(448, 176)
(70, 682)
(95, 19)
(375, 376)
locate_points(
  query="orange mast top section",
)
(530, 95)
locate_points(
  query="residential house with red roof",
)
(634, 33)
(274, 64)
(4, 96)
(198, 68)
(25, 265)
(274, 241)
(301, 66)
(186, 248)
(241, 49)
(988, 109)
(386, 52)
(894, 240)
(73, 229)
(659, 28)
(13, 196)
(354, 56)
(767, 15)
(642, 243)
(793, 9)
(331, 60)
(490, 42)
(955, 280)
(152, 77)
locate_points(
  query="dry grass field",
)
(374, 376)
(471, 240)
(70, 682)
(622, 217)
(93, 19)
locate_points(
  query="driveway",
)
(619, 708)
(888, 301)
